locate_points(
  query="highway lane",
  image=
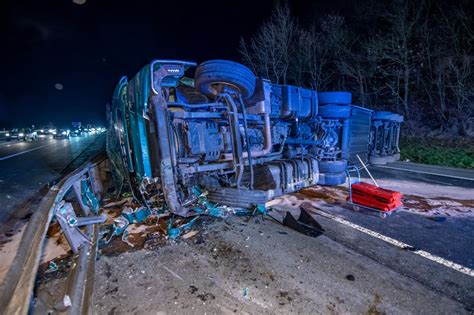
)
(430, 174)
(403, 280)
(26, 168)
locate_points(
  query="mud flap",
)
(305, 224)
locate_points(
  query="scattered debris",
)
(189, 234)
(192, 289)
(305, 223)
(175, 232)
(136, 216)
(52, 267)
(410, 248)
(175, 226)
(246, 292)
(118, 203)
(206, 296)
(437, 218)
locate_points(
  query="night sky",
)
(86, 48)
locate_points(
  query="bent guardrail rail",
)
(16, 290)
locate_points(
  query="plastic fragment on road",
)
(305, 223)
(127, 217)
(117, 228)
(204, 206)
(222, 211)
(52, 267)
(137, 215)
(175, 232)
(190, 234)
(245, 292)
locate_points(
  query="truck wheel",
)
(332, 179)
(380, 160)
(342, 98)
(337, 166)
(334, 111)
(214, 73)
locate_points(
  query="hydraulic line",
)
(242, 106)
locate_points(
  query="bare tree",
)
(415, 57)
(447, 66)
(397, 55)
(269, 51)
(457, 75)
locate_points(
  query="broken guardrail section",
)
(81, 232)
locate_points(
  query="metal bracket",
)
(70, 224)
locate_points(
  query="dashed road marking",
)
(23, 152)
(422, 253)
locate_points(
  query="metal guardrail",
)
(16, 290)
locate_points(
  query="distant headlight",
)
(64, 132)
(21, 134)
(42, 130)
(54, 132)
(51, 130)
(7, 134)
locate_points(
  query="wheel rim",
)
(217, 87)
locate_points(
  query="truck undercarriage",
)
(242, 138)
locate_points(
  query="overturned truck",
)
(243, 138)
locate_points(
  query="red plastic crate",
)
(375, 197)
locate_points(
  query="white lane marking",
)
(397, 243)
(423, 172)
(23, 152)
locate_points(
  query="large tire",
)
(238, 77)
(380, 160)
(333, 111)
(342, 98)
(332, 179)
(337, 166)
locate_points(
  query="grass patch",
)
(457, 152)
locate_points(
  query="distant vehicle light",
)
(7, 134)
(41, 130)
(64, 133)
(93, 129)
(54, 132)
(51, 130)
(21, 134)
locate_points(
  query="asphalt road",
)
(356, 266)
(28, 168)
(430, 174)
